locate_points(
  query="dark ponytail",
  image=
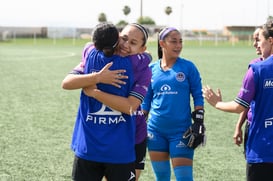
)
(105, 38)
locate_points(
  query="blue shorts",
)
(174, 144)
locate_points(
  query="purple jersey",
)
(247, 91)
(142, 78)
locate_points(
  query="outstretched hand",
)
(211, 97)
(113, 77)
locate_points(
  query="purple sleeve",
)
(80, 67)
(247, 91)
(142, 75)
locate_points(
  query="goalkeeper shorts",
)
(174, 144)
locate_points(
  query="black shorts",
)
(259, 172)
(140, 149)
(84, 170)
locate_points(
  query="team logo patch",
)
(132, 176)
(180, 145)
(180, 76)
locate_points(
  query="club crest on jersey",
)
(268, 83)
(104, 116)
(180, 76)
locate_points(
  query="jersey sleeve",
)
(247, 91)
(142, 75)
(79, 69)
(146, 104)
(196, 86)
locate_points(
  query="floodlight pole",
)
(141, 9)
(268, 7)
(181, 16)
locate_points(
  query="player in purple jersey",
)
(256, 93)
(133, 40)
(171, 133)
(246, 115)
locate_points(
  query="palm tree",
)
(102, 18)
(168, 11)
(126, 10)
(269, 18)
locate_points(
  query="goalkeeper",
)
(174, 130)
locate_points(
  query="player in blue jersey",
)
(256, 93)
(174, 81)
(133, 40)
(246, 115)
(96, 142)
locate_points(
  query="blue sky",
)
(187, 14)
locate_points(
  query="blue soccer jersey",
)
(102, 134)
(169, 95)
(259, 146)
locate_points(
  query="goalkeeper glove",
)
(196, 132)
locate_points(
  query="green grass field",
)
(37, 115)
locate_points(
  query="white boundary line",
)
(40, 56)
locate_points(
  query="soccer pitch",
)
(37, 115)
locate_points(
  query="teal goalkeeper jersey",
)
(168, 99)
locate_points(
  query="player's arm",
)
(240, 103)
(77, 80)
(231, 106)
(127, 105)
(238, 134)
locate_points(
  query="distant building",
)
(7, 32)
(236, 33)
